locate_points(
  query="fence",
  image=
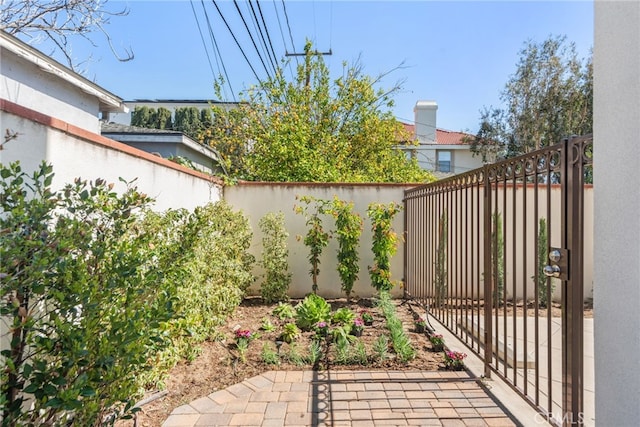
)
(488, 252)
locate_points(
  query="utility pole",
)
(308, 53)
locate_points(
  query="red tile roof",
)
(444, 137)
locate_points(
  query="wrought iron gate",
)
(498, 256)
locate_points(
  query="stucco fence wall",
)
(258, 199)
(75, 152)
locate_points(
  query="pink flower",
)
(359, 323)
(243, 333)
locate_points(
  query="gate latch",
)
(558, 266)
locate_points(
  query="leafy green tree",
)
(315, 129)
(187, 120)
(162, 119)
(549, 97)
(348, 231)
(142, 116)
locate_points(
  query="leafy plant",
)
(437, 341)
(381, 348)
(348, 230)
(294, 356)
(316, 239)
(366, 317)
(311, 310)
(268, 355)
(341, 334)
(384, 243)
(343, 316)
(277, 277)
(266, 325)
(359, 356)
(284, 311)
(315, 353)
(82, 296)
(290, 333)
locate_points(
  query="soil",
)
(219, 366)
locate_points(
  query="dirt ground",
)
(218, 366)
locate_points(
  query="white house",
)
(443, 151)
(50, 113)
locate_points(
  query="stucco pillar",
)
(617, 212)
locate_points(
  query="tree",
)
(549, 97)
(314, 129)
(58, 21)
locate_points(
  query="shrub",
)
(348, 230)
(343, 316)
(213, 270)
(284, 311)
(290, 333)
(277, 278)
(317, 238)
(384, 243)
(311, 310)
(83, 296)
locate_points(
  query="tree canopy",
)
(548, 98)
(314, 129)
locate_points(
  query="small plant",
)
(343, 347)
(543, 251)
(284, 311)
(267, 326)
(340, 335)
(290, 333)
(316, 239)
(400, 341)
(311, 310)
(348, 230)
(357, 327)
(384, 243)
(315, 353)
(497, 258)
(454, 360)
(441, 261)
(343, 316)
(243, 337)
(366, 317)
(381, 348)
(268, 355)
(275, 256)
(437, 341)
(420, 324)
(360, 356)
(322, 329)
(294, 356)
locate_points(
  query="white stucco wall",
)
(461, 157)
(72, 157)
(258, 199)
(617, 203)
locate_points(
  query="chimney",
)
(425, 120)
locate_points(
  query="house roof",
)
(443, 137)
(112, 127)
(107, 100)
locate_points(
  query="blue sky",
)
(458, 53)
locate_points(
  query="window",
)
(443, 161)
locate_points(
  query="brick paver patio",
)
(347, 398)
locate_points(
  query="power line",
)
(216, 51)
(272, 60)
(258, 30)
(206, 50)
(235, 2)
(284, 43)
(236, 40)
(267, 31)
(286, 15)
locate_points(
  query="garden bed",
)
(219, 365)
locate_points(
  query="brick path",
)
(347, 398)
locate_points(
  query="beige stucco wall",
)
(257, 199)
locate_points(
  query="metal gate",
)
(497, 255)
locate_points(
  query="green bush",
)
(213, 270)
(80, 292)
(275, 254)
(348, 231)
(384, 243)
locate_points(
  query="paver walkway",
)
(347, 398)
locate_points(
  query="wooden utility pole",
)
(308, 53)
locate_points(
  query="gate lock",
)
(558, 267)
